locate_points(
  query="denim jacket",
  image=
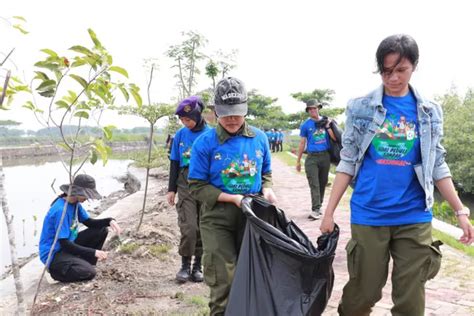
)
(364, 115)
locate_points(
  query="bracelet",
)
(463, 211)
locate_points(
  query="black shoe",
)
(196, 274)
(184, 273)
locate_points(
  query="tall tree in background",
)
(220, 65)
(458, 136)
(151, 112)
(320, 95)
(186, 56)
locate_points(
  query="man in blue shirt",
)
(228, 162)
(315, 133)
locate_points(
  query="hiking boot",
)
(184, 274)
(314, 215)
(196, 273)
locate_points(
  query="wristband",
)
(463, 211)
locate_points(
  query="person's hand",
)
(170, 197)
(298, 166)
(115, 227)
(101, 255)
(468, 231)
(328, 124)
(327, 224)
(269, 195)
(237, 199)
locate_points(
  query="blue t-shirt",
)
(75, 214)
(387, 191)
(236, 166)
(317, 138)
(182, 144)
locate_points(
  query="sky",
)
(283, 46)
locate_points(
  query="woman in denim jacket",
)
(393, 157)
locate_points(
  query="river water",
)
(29, 194)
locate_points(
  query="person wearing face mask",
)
(189, 112)
(228, 162)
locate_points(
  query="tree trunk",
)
(11, 240)
(147, 175)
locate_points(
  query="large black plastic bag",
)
(279, 271)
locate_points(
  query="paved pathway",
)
(450, 293)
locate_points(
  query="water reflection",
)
(31, 188)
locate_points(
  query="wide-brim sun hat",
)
(83, 185)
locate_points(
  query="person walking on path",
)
(228, 162)
(394, 171)
(189, 112)
(75, 253)
(314, 134)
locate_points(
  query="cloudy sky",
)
(284, 46)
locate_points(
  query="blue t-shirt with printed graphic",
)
(182, 145)
(317, 138)
(68, 230)
(236, 166)
(387, 191)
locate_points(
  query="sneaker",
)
(314, 215)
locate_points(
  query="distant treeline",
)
(17, 137)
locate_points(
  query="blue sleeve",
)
(303, 130)
(82, 214)
(175, 147)
(199, 165)
(267, 158)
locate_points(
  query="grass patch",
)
(199, 301)
(453, 242)
(159, 250)
(128, 248)
(286, 158)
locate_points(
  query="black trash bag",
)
(279, 271)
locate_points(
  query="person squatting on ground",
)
(314, 134)
(228, 162)
(75, 253)
(189, 112)
(392, 154)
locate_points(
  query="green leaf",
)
(71, 97)
(94, 38)
(81, 49)
(46, 85)
(79, 79)
(29, 105)
(82, 114)
(17, 17)
(64, 146)
(120, 70)
(78, 62)
(124, 92)
(136, 95)
(108, 131)
(62, 104)
(49, 52)
(20, 28)
(93, 157)
(47, 65)
(41, 76)
(110, 60)
(47, 93)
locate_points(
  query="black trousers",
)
(67, 267)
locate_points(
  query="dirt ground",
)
(138, 276)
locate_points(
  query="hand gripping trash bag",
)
(279, 271)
